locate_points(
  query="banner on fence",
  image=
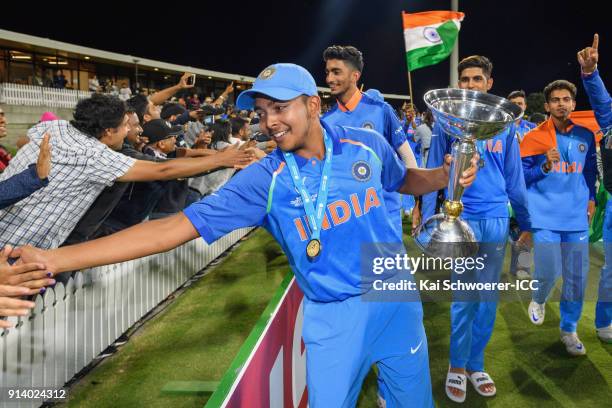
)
(270, 368)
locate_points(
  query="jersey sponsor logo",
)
(267, 73)
(297, 201)
(582, 147)
(415, 349)
(361, 171)
(368, 125)
(340, 212)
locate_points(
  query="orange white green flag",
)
(430, 36)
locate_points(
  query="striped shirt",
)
(81, 167)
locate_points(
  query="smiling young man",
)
(561, 191)
(342, 171)
(343, 68)
(500, 180)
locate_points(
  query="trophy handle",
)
(462, 153)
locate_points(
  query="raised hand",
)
(234, 157)
(43, 165)
(588, 57)
(183, 82)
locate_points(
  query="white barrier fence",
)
(71, 324)
(16, 94)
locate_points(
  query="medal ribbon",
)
(315, 219)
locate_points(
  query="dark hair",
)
(237, 124)
(476, 61)
(517, 94)
(428, 118)
(100, 112)
(557, 85)
(221, 132)
(537, 118)
(346, 53)
(139, 104)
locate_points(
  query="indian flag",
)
(430, 36)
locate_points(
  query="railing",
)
(72, 324)
(28, 95)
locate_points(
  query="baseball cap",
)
(158, 129)
(279, 81)
(170, 109)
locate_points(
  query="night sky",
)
(529, 42)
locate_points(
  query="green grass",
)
(198, 335)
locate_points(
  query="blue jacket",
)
(558, 199)
(20, 186)
(600, 99)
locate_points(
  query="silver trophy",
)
(468, 116)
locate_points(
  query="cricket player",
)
(343, 68)
(601, 102)
(500, 180)
(320, 195)
(561, 192)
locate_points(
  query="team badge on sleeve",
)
(361, 171)
(582, 147)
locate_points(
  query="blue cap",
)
(279, 81)
(375, 94)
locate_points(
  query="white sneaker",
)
(536, 312)
(573, 345)
(605, 334)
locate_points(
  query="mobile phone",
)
(191, 80)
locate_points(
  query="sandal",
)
(457, 381)
(480, 378)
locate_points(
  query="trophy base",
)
(445, 237)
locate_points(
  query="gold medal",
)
(313, 249)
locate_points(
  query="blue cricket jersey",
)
(363, 166)
(370, 113)
(500, 179)
(558, 199)
(523, 127)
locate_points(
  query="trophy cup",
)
(468, 116)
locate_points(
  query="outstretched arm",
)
(136, 242)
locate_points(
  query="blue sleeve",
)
(515, 182)
(20, 186)
(600, 99)
(532, 168)
(590, 170)
(242, 202)
(393, 128)
(440, 145)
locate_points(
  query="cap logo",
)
(267, 73)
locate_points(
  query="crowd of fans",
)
(122, 160)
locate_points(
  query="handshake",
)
(19, 280)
